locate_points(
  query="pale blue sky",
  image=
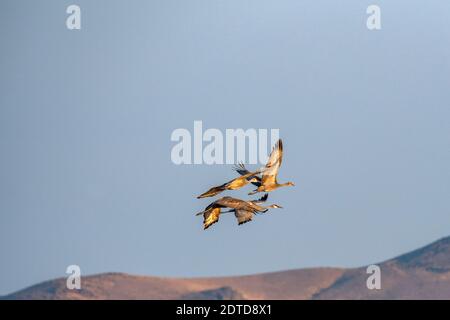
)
(86, 118)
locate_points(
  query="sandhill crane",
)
(268, 181)
(234, 184)
(243, 210)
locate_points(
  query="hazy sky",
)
(86, 117)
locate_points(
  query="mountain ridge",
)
(423, 273)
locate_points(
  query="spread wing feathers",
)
(242, 170)
(210, 217)
(243, 216)
(234, 184)
(262, 199)
(270, 172)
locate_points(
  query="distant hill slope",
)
(421, 274)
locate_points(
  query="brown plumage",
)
(268, 181)
(234, 184)
(210, 217)
(243, 210)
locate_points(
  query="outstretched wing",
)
(210, 217)
(234, 184)
(212, 206)
(262, 199)
(242, 170)
(239, 204)
(229, 202)
(243, 216)
(270, 172)
(239, 182)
